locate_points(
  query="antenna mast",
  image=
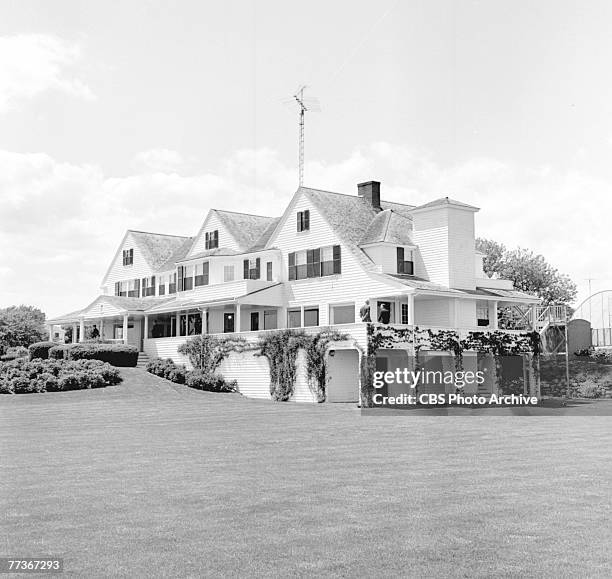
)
(305, 105)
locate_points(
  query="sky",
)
(145, 114)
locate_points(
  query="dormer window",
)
(405, 264)
(202, 273)
(211, 240)
(128, 257)
(303, 220)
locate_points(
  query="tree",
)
(529, 272)
(21, 326)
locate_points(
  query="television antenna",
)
(305, 104)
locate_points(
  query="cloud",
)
(31, 64)
(63, 221)
(164, 160)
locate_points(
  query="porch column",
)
(125, 328)
(455, 313)
(146, 327)
(534, 317)
(237, 319)
(493, 315)
(82, 330)
(74, 333)
(50, 330)
(373, 310)
(102, 329)
(281, 318)
(178, 324)
(204, 314)
(411, 309)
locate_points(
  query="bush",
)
(584, 352)
(38, 375)
(167, 369)
(40, 350)
(115, 354)
(590, 389)
(603, 357)
(210, 382)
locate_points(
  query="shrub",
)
(590, 389)
(603, 357)
(584, 352)
(115, 354)
(40, 350)
(165, 368)
(210, 382)
(38, 375)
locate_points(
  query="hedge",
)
(41, 350)
(29, 376)
(115, 354)
(193, 378)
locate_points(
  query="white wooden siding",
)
(461, 248)
(430, 233)
(433, 312)
(119, 272)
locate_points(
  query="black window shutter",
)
(152, 291)
(180, 278)
(307, 219)
(269, 271)
(337, 259)
(292, 265)
(299, 221)
(216, 237)
(137, 287)
(400, 260)
(117, 288)
(245, 264)
(144, 287)
(206, 272)
(131, 256)
(258, 268)
(309, 263)
(124, 257)
(317, 261)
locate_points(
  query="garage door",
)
(343, 372)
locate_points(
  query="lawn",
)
(154, 479)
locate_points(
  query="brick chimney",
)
(370, 193)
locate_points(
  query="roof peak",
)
(154, 233)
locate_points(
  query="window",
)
(269, 271)
(161, 288)
(294, 318)
(128, 257)
(315, 262)
(202, 273)
(311, 317)
(343, 314)
(130, 288)
(404, 265)
(185, 278)
(211, 240)
(228, 273)
(303, 220)
(404, 313)
(482, 313)
(254, 321)
(228, 323)
(148, 286)
(252, 268)
(270, 320)
(172, 285)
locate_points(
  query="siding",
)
(435, 312)
(166, 348)
(352, 285)
(119, 272)
(210, 224)
(430, 233)
(461, 252)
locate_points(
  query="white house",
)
(314, 266)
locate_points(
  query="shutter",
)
(205, 272)
(144, 287)
(124, 257)
(137, 287)
(258, 268)
(117, 288)
(131, 256)
(207, 242)
(400, 260)
(299, 221)
(269, 271)
(309, 263)
(180, 278)
(152, 286)
(307, 219)
(316, 260)
(245, 269)
(337, 259)
(216, 238)
(292, 266)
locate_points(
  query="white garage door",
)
(343, 371)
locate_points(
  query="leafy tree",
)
(529, 272)
(21, 326)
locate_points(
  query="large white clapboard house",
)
(314, 266)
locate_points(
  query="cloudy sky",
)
(144, 114)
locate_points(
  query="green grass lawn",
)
(154, 479)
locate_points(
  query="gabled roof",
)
(388, 227)
(219, 251)
(248, 230)
(159, 249)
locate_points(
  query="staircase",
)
(143, 359)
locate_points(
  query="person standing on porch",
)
(364, 312)
(95, 333)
